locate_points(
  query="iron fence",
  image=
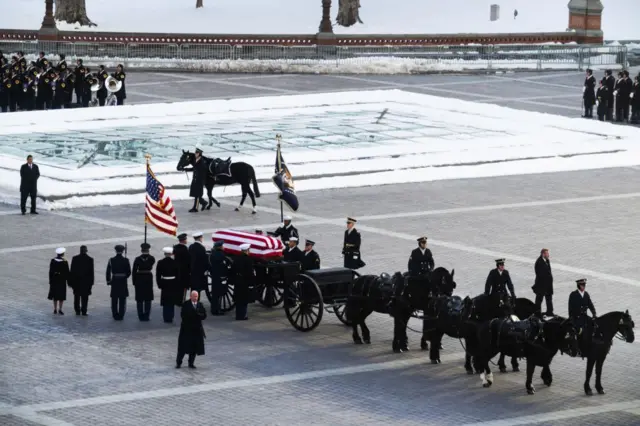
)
(361, 59)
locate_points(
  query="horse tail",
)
(255, 182)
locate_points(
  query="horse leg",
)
(366, 334)
(353, 313)
(501, 365)
(424, 345)
(514, 364)
(211, 199)
(590, 363)
(599, 365)
(244, 196)
(531, 368)
(467, 363)
(404, 338)
(546, 376)
(487, 376)
(434, 352)
(253, 198)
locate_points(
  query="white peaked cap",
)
(245, 247)
(287, 217)
(197, 234)
(61, 250)
(293, 239)
(168, 250)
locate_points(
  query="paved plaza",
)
(68, 370)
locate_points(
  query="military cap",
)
(581, 281)
(351, 220)
(258, 231)
(500, 261)
(197, 234)
(218, 243)
(245, 247)
(309, 242)
(182, 237)
(168, 250)
(287, 217)
(422, 239)
(145, 246)
(293, 239)
(198, 149)
(119, 248)
(61, 250)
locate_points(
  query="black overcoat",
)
(351, 249)
(58, 279)
(118, 273)
(168, 280)
(579, 304)
(589, 94)
(243, 276)
(498, 283)
(420, 263)
(191, 338)
(183, 258)
(544, 279)
(199, 170)
(82, 274)
(142, 277)
(199, 266)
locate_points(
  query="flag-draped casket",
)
(262, 246)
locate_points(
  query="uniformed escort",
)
(168, 281)
(293, 253)
(142, 277)
(579, 303)
(118, 272)
(183, 259)
(499, 280)
(351, 246)
(199, 264)
(218, 272)
(286, 231)
(421, 260)
(311, 259)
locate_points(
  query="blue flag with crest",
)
(284, 182)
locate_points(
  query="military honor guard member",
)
(168, 281)
(196, 190)
(199, 264)
(118, 273)
(311, 259)
(579, 303)
(183, 259)
(218, 272)
(29, 175)
(243, 276)
(81, 280)
(421, 260)
(120, 75)
(142, 278)
(192, 335)
(58, 280)
(543, 285)
(286, 231)
(292, 253)
(499, 280)
(351, 246)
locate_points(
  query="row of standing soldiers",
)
(40, 85)
(620, 96)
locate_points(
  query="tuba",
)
(94, 93)
(112, 86)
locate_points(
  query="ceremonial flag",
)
(158, 207)
(284, 182)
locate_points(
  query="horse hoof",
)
(357, 341)
(470, 372)
(424, 346)
(516, 369)
(237, 209)
(503, 369)
(367, 341)
(588, 392)
(435, 361)
(600, 391)
(547, 382)
(209, 207)
(531, 391)
(486, 385)
(218, 204)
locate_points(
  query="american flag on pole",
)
(158, 207)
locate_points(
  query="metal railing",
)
(362, 59)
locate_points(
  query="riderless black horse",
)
(595, 347)
(225, 173)
(399, 296)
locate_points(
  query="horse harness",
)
(529, 330)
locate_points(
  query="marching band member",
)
(62, 65)
(119, 75)
(102, 92)
(79, 72)
(89, 80)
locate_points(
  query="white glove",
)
(597, 103)
(584, 89)
(615, 93)
(631, 96)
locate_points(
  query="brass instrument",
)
(112, 85)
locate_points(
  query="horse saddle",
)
(384, 286)
(454, 305)
(528, 329)
(219, 167)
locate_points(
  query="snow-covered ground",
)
(419, 138)
(303, 17)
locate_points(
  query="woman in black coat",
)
(58, 280)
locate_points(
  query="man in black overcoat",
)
(579, 303)
(351, 246)
(183, 259)
(292, 253)
(29, 174)
(199, 264)
(142, 277)
(81, 280)
(243, 276)
(196, 190)
(118, 273)
(311, 259)
(498, 281)
(286, 231)
(589, 94)
(168, 280)
(191, 338)
(543, 285)
(421, 260)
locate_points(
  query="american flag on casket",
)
(262, 246)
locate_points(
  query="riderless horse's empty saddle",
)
(219, 167)
(528, 329)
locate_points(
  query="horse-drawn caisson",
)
(305, 294)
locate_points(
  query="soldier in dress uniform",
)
(142, 277)
(183, 259)
(421, 260)
(218, 272)
(579, 303)
(58, 280)
(351, 246)
(79, 72)
(196, 190)
(81, 280)
(243, 277)
(286, 231)
(292, 253)
(311, 259)
(118, 272)
(120, 75)
(168, 281)
(102, 93)
(588, 94)
(199, 264)
(499, 280)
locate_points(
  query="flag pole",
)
(148, 158)
(278, 139)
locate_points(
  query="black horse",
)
(523, 308)
(225, 173)
(595, 347)
(399, 296)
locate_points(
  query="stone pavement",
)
(68, 370)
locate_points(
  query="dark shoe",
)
(24, 213)
(193, 211)
(178, 365)
(60, 313)
(77, 312)
(55, 312)
(192, 366)
(34, 212)
(84, 314)
(168, 322)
